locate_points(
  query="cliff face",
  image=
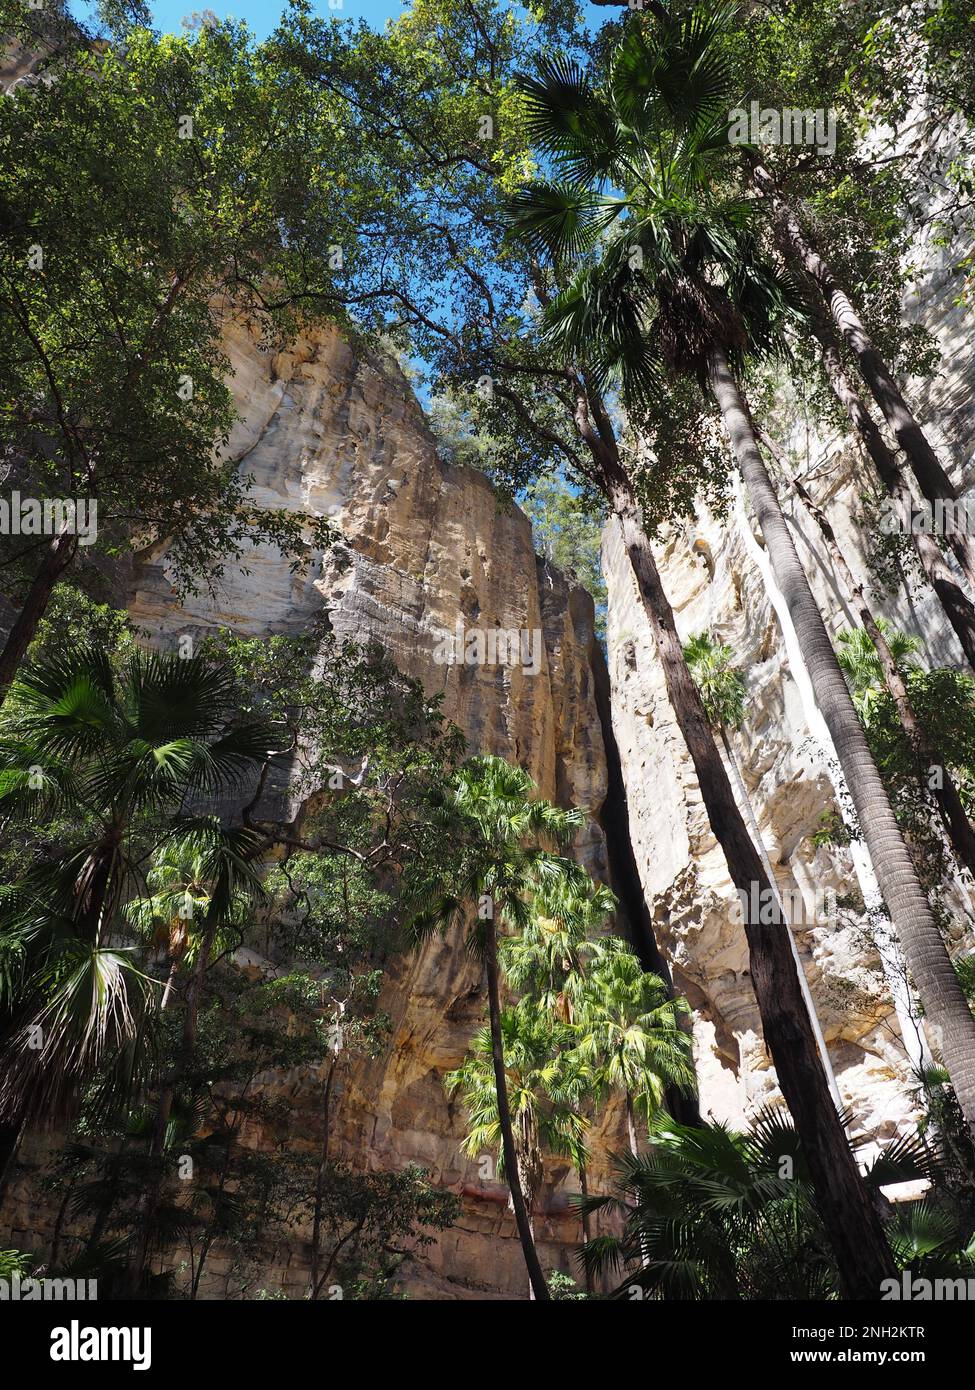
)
(712, 571)
(423, 545)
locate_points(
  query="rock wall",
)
(423, 545)
(710, 574)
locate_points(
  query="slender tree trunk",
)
(745, 801)
(945, 1005)
(932, 478)
(631, 1126)
(926, 757)
(586, 1224)
(862, 1255)
(316, 1234)
(891, 957)
(56, 560)
(167, 993)
(958, 608)
(522, 1221)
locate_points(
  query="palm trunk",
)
(586, 1224)
(631, 1126)
(926, 756)
(59, 555)
(535, 1276)
(745, 801)
(945, 1004)
(891, 957)
(862, 1255)
(932, 478)
(958, 608)
(167, 993)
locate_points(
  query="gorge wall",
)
(423, 546)
(712, 570)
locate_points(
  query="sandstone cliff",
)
(425, 545)
(712, 571)
(422, 545)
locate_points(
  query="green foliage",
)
(944, 702)
(709, 1212)
(629, 1029)
(459, 441)
(567, 532)
(197, 180)
(375, 1223)
(108, 760)
(500, 839)
(720, 686)
(15, 1262)
(563, 1288)
(544, 1079)
(547, 959)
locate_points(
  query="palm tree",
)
(227, 880)
(641, 297)
(723, 696)
(630, 1033)
(548, 958)
(116, 755)
(695, 301)
(503, 836)
(711, 1213)
(549, 962)
(542, 1089)
(181, 883)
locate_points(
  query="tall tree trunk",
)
(932, 478)
(958, 608)
(631, 1126)
(586, 1224)
(945, 1005)
(316, 1234)
(885, 938)
(862, 1255)
(522, 1221)
(57, 558)
(745, 801)
(927, 758)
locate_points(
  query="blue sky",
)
(262, 15)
